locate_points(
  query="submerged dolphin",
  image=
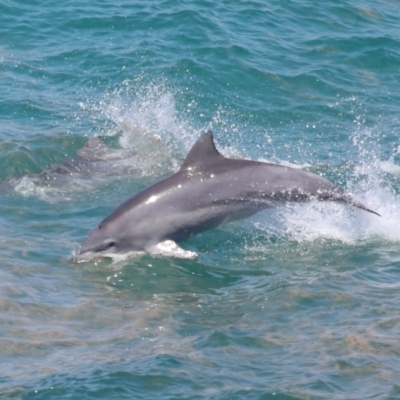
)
(94, 159)
(209, 190)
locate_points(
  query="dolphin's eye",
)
(105, 246)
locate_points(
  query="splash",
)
(371, 181)
(375, 184)
(389, 166)
(145, 117)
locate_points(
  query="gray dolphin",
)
(94, 159)
(209, 190)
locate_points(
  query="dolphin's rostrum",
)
(209, 190)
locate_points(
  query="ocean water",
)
(298, 302)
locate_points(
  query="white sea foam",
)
(390, 167)
(35, 186)
(76, 258)
(327, 222)
(144, 113)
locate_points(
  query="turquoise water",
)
(300, 302)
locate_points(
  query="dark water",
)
(295, 303)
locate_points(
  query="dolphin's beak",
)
(86, 245)
(85, 253)
(92, 243)
(97, 244)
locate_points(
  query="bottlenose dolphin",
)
(93, 163)
(209, 190)
(93, 156)
(93, 159)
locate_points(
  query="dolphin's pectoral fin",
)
(169, 248)
(349, 199)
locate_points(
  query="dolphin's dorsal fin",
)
(93, 150)
(202, 153)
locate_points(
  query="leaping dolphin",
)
(209, 190)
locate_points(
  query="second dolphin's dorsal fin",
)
(202, 153)
(93, 150)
